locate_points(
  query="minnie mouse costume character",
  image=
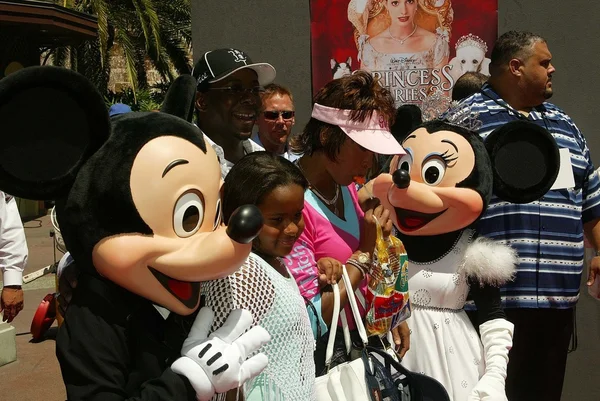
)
(438, 191)
(139, 209)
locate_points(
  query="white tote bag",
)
(344, 382)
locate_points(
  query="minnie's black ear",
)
(180, 98)
(53, 119)
(408, 117)
(525, 161)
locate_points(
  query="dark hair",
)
(276, 89)
(362, 94)
(468, 84)
(254, 176)
(513, 44)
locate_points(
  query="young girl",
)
(263, 285)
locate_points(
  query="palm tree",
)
(157, 31)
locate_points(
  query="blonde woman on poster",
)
(389, 35)
(405, 43)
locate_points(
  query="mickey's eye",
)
(405, 162)
(217, 215)
(433, 171)
(188, 214)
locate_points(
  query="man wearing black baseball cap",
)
(228, 101)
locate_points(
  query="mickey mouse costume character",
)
(139, 209)
(438, 191)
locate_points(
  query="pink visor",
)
(373, 133)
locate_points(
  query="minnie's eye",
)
(217, 215)
(405, 162)
(188, 214)
(433, 171)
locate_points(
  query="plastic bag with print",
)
(388, 302)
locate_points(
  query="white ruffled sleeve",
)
(441, 47)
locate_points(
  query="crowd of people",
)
(320, 217)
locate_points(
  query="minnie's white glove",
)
(218, 363)
(496, 337)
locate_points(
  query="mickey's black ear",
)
(180, 98)
(52, 120)
(525, 161)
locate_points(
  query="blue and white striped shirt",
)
(548, 233)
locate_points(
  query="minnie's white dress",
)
(443, 342)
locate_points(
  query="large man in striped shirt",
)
(548, 233)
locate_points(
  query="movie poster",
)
(417, 48)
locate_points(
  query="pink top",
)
(326, 235)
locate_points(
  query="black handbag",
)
(388, 380)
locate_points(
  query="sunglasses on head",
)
(274, 115)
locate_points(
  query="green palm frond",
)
(101, 9)
(178, 53)
(161, 64)
(126, 43)
(86, 59)
(60, 56)
(177, 19)
(149, 21)
(158, 31)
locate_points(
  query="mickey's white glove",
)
(496, 337)
(218, 363)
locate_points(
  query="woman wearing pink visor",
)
(349, 125)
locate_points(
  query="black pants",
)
(538, 359)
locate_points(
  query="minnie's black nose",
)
(401, 178)
(245, 224)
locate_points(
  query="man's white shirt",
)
(226, 165)
(286, 155)
(13, 245)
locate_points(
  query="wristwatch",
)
(365, 258)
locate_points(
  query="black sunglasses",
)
(274, 115)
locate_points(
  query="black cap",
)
(216, 65)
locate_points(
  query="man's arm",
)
(13, 257)
(592, 233)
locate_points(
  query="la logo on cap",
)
(202, 77)
(239, 56)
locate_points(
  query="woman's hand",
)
(386, 226)
(366, 200)
(330, 271)
(368, 235)
(401, 335)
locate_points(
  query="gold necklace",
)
(328, 202)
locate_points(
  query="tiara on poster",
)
(471, 40)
